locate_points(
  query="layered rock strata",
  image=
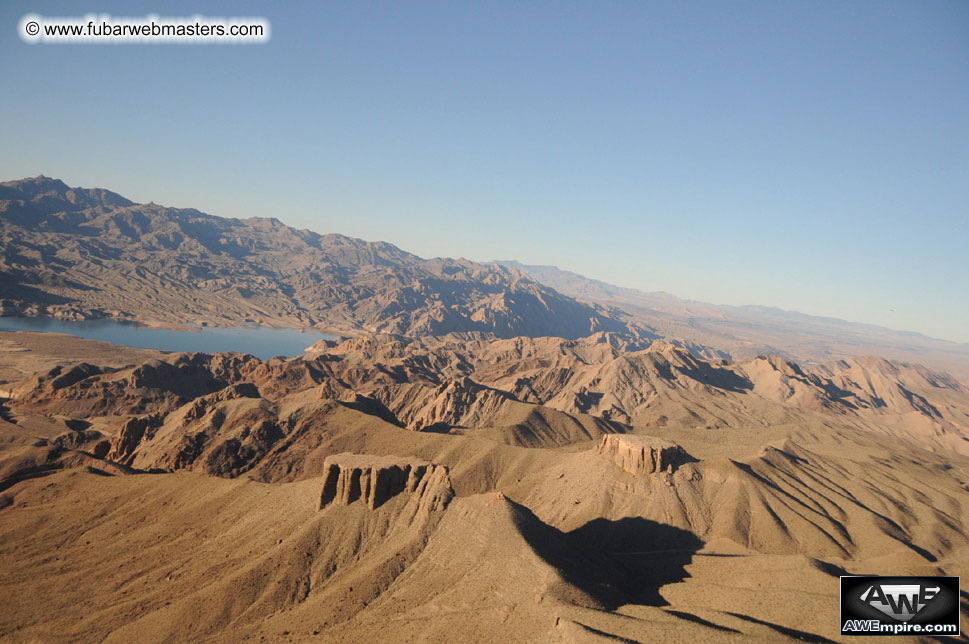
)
(375, 479)
(642, 454)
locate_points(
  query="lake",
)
(262, 342)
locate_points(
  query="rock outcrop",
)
(456, 403)
(134, 431)
(642, 454)
(375, 479)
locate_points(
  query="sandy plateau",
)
(461, 488)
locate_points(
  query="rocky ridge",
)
(642, 454)
(376, 487)
(172, 266)
(374, 479)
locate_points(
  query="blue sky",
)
(807, 155)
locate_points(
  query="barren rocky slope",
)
(485, 460)
(79, 253)
(463, 488)
(89, 253)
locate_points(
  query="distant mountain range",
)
(76, 253)
(90, 253)
(746, 331)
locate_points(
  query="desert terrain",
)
(484, 322)
(463, 488)
(491, 452)
(77, 254)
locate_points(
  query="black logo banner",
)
(900, 605)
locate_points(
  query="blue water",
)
(262, 342)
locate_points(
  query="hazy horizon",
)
(562, 268)
(809, 157)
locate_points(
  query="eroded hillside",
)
(77, 253)
(542, 489)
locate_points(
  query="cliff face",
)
(642, 454)
(375, 479)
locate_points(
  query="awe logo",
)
(912, 606)
(901, 601)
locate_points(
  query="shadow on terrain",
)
(24, 293)
(651, 554)
(612, 562)
(5, 413)
(720, 378)
(372, 407)
(699, 620)
(790, 632)
(77, 425)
